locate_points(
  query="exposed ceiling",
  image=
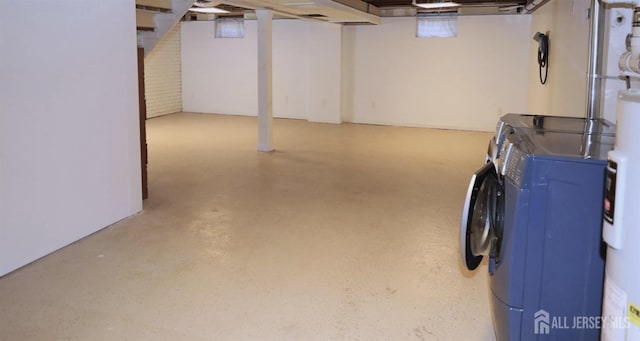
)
(364, 11)
(495, 3)
(340, 11)
(392, 8)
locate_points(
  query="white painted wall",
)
(391, 77)
(220, 75)
(163, 76)
(325, 72)
(290, 69)
(565, 91)
(69, 135)
(366, 74)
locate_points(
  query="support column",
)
(265, 83)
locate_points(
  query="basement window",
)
(436, 26)
(229, 27)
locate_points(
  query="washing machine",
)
(534, 212)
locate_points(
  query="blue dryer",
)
(535, 211)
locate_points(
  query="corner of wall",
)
(564, 93)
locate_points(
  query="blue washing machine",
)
(534, 210)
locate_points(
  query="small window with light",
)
(436, 26)
(229, 27)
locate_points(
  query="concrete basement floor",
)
(346, 232)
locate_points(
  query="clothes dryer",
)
(535, 213)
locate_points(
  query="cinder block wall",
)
(163, 76)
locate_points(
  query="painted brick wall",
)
(163, 76)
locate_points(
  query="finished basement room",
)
(319, 169)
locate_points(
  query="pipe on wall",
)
(629, 62)
(594, 66)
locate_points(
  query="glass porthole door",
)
(481, 225)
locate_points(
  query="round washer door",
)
(481, 218)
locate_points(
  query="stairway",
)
(154, 19)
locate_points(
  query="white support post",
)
(265, 83)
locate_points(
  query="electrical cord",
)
(543, 64)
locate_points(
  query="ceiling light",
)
(304, 3)
(208, 10)
(206, 3)
(436, 5)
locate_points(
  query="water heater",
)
(621, 226)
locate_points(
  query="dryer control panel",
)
(514, 164)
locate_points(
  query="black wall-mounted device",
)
(543, 55)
